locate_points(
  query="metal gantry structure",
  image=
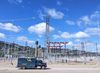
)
(49, 45)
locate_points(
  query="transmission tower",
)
(47, 36)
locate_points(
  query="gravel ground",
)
(6, 67)
(53, 70)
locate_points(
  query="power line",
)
(19, 19)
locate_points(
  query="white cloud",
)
(92, 19)
(25, 39)
(55, 14)
(62, 35)
(39, 28)
(84, 20)
(80, 34)
(52, 12)
(66, 35)
(93, 31)
(10, 27)
(87, 20)
(95, 15)
(70, 43)
(69, 22)
(2, 35)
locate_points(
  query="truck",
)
(30, 63)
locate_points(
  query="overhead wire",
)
(19, 19)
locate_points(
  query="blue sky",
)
(74, 21)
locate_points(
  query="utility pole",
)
(83, 51)
(36, 49)
(26, 44)
(96, 51)
(4, 48)
(73, 48)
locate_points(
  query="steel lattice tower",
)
(47, 35)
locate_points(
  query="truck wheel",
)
(44, 67)
(23, 67)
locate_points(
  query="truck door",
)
(30, 63)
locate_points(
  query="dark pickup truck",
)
(30, 63)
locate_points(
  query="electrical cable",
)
(20, 19)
